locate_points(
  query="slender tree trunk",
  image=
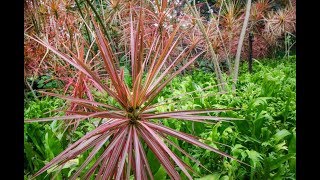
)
(214, 58)
(237, 60)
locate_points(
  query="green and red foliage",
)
(57, 23)
(281, 21)
(134, 121)
(158, 44)
(60, 22)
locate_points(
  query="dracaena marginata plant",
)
(135, 123)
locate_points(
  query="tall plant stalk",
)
(219, 32)
(237, 60)
(214, 58)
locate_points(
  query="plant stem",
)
(213, 55)
(87, 31)
(219, 32)
(237, 60)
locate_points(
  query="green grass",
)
(265, 139)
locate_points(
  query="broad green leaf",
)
(281, 146)
(292, 144)
(254, 157)
(279, 161)
(280, 135)
(161, 174)
(153, 162)
(214, 133)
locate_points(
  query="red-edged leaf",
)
(180, 57)
(166, 149)
(130, 150)
(83, 68)
(91, 155)
(78, 100)
(145, 161)
(186, 112)
(124, 154)
(96, 114)
(137, 157)
(160, 154)
(107, 57)
(151, 95)
(114, 158)
(55, 118)
(80, 144)
(184, 152)
(132, 46)
(191, 117)
(193, 141)
(117, 139)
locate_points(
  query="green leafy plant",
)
(42, 142)
(266, 140)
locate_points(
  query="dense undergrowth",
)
(265, 139)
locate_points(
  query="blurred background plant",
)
(61, 22)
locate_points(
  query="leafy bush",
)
(266, 140)
(42, 141)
